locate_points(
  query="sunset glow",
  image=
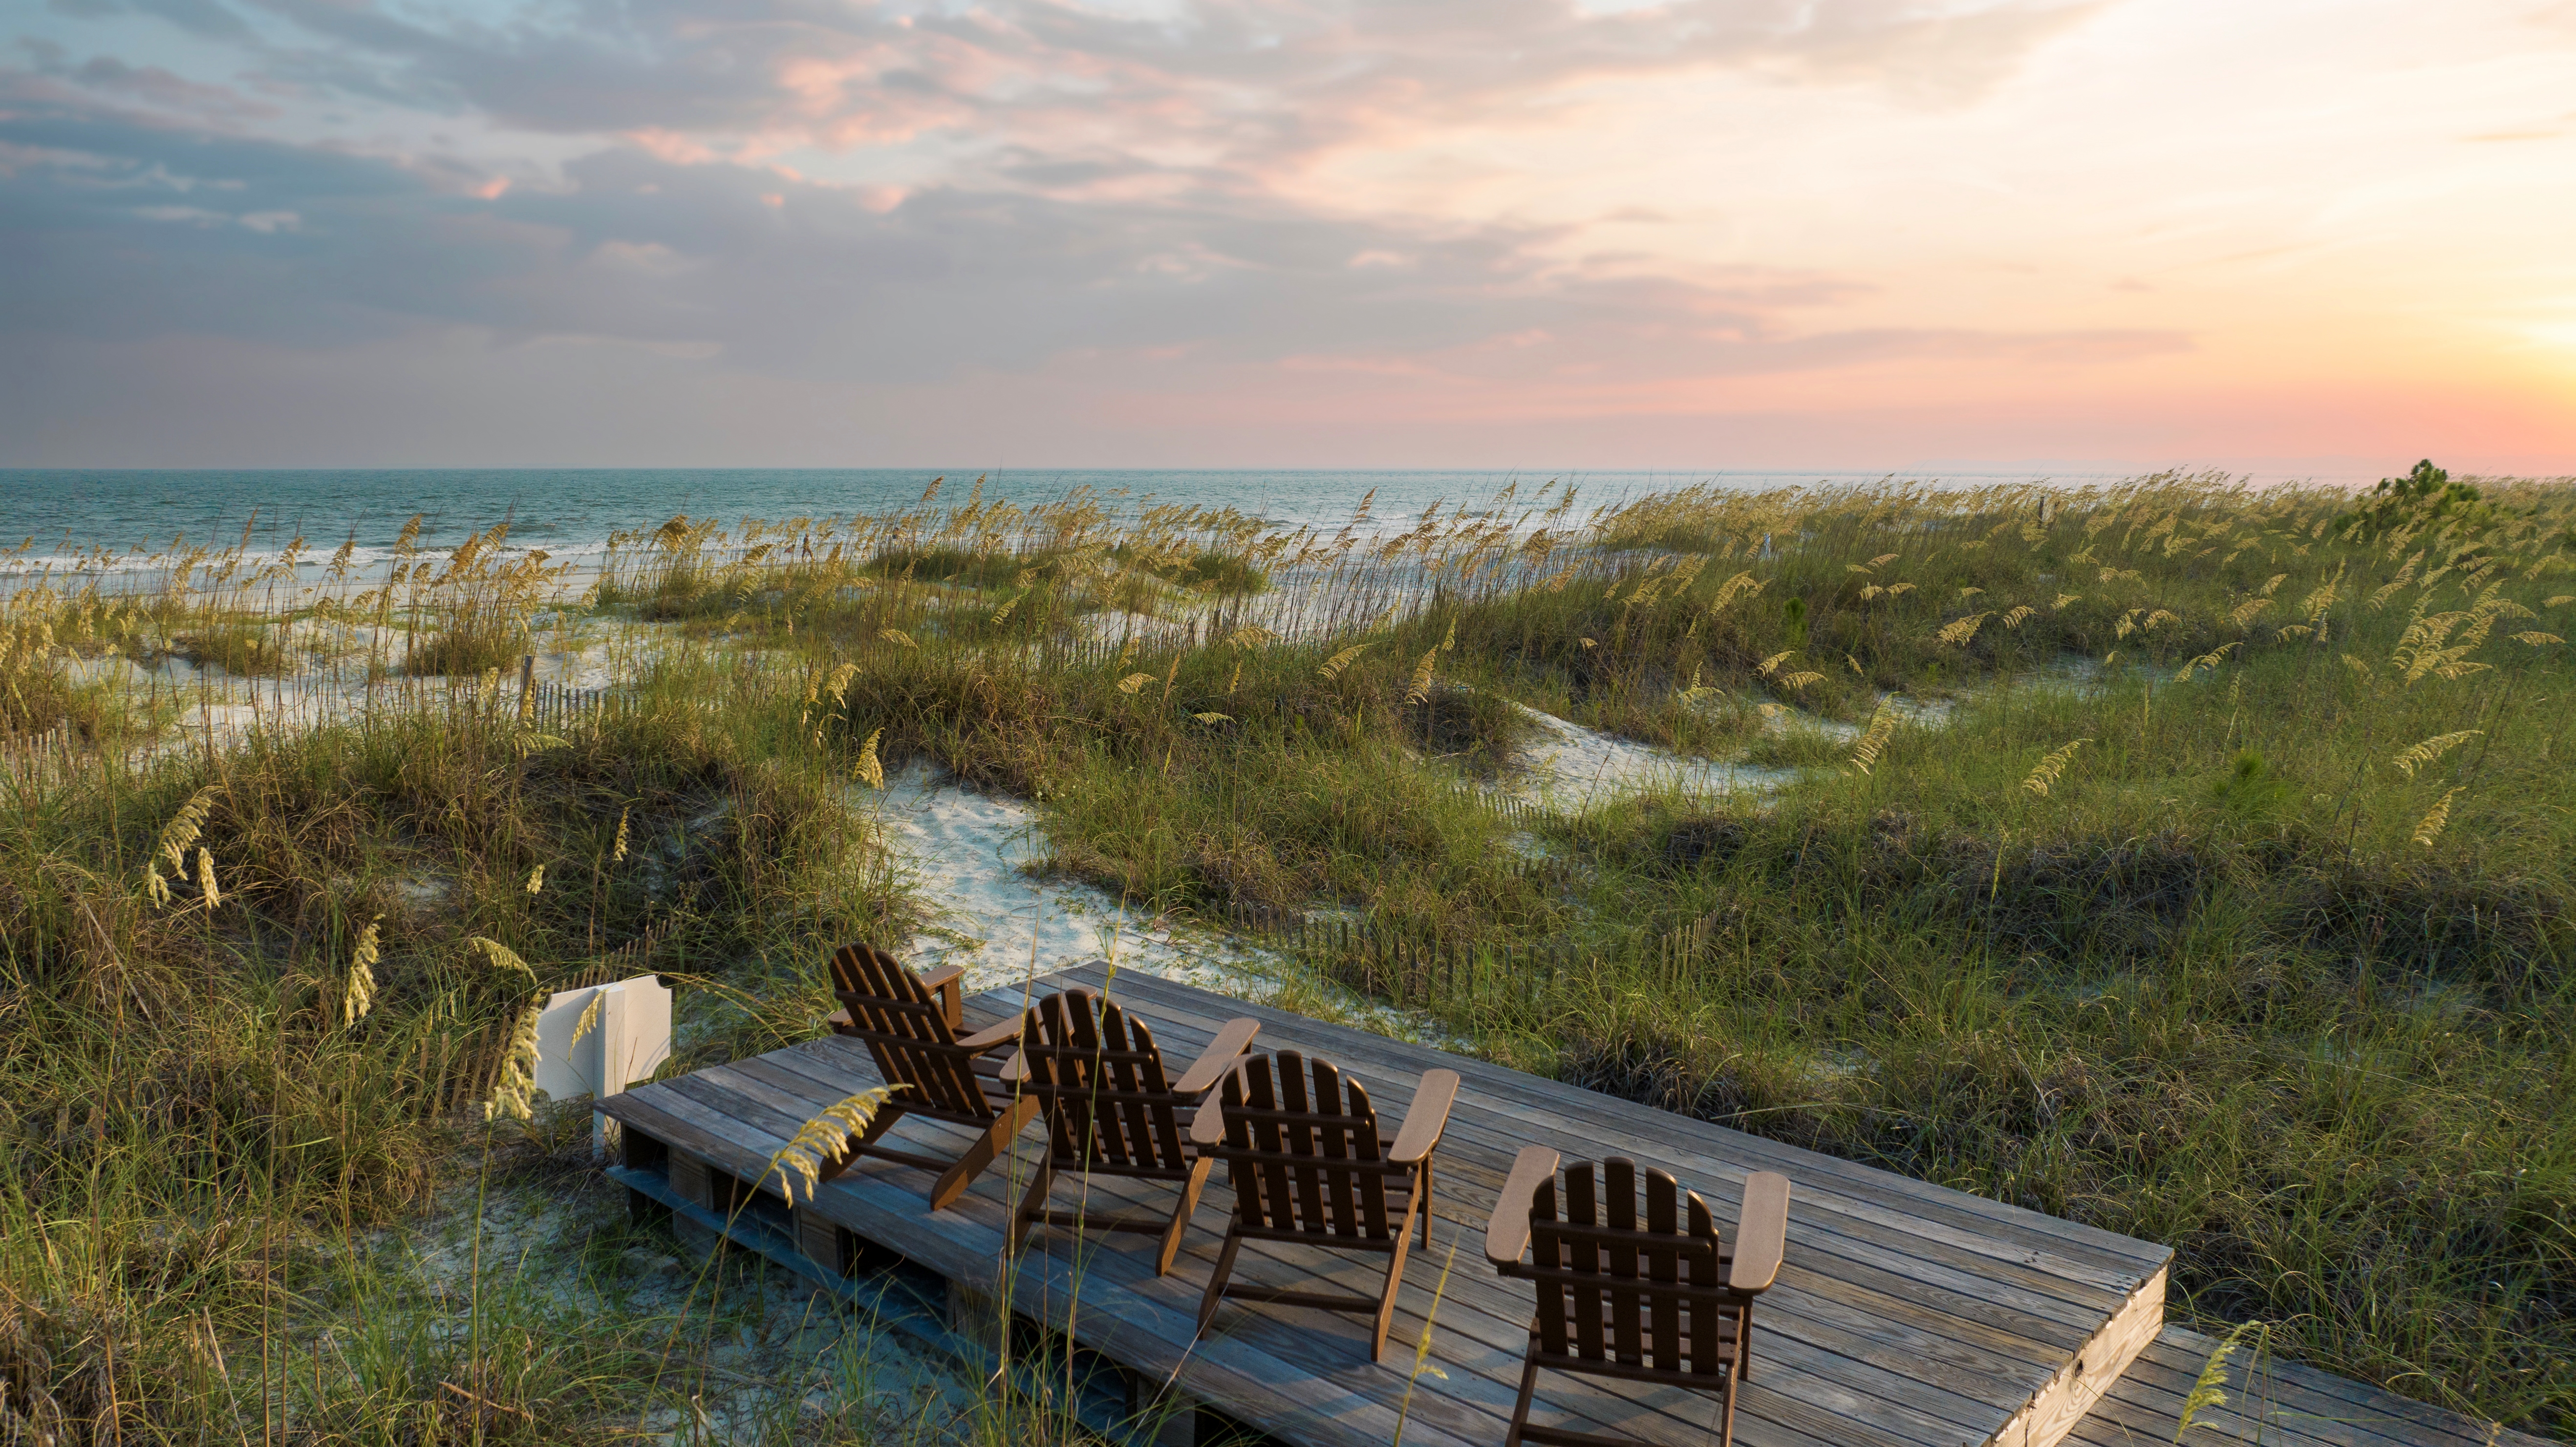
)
(2290, 237)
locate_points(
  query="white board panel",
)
(628, 1041)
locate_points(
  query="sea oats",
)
(1334, 665)
(2429, 828)
(1958, 632)
(183, 827)
(815, 1154)
(513, 1090)
(1420, 690)
(501, 957)
(2431, 750)
(2045, 772)
(1882, 727)
(590, 1014)
(2208, 1390)
(358, 993)
(869, 767)
(1742, 585)
(1771, 665)
(2205, 661)
(2314, 606)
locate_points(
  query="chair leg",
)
(1033, 1204)
(1394, 1279)
(1426, 1203)
(1217, 1279)
(878, 1124)
(1743, 1345)
(1520, 1409)
(1181, 1213)
(952, 1183)
(1726, 1428)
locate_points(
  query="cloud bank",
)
(1063, 233)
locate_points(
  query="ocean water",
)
(572, 512)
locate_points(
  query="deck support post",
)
(978, 1316)
(1180, 1428)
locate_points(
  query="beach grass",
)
(2187, 860)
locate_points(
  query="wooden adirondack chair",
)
(1112, 1111)
(913, 1037)
(1310, 1167)
(1664, 1301)
(851, 966)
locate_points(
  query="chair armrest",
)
(1760, 1233)
(1426, 1118)
(1230, 1042)
(1507, 1230)
(839, 1020)
(948, 983)
(1207, 1127)
(994, 1036)
(1015, 1069)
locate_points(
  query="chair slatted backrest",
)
(1109, 1103)
(1611, 1289)
(1302, 1146)
(908, 1034)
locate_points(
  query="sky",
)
(2313, 237)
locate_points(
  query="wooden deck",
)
(2277, 1404)
(1906, 1315)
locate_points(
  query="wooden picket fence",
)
(48, 755)
(1413, 967)
(555, 708)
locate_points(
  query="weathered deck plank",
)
(2274, 1403)
(1906, 1315)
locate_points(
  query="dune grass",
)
(2189, 861)
(207, 1113)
